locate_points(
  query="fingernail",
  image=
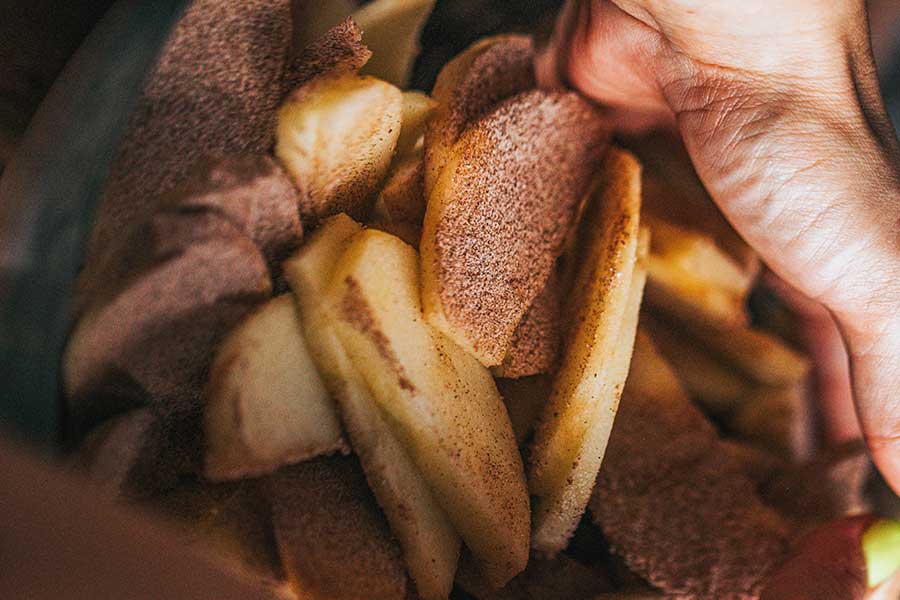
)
(881, 549)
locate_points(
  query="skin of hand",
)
(779, 108)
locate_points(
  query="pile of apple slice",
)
(386, 349)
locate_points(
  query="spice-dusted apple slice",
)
(535, 343)
(402, 198)
(680, 511)
(469, 86)
(335, 136)
(391, 29)
(524, 398)
(430, 543)
(571, 437)
(231, 518)
(687, 268)
(443, 405)
(266, 404)
(717, 386)
(756, 354)
(501, 212)
(333, 541)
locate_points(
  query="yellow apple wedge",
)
(571, 436)
(415, 112)
(266, 405)
(391, 29)
(430, 543)
(441, 402)
(336, 136)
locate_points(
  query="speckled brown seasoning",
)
(680, 510)
(149, 336)
(340, 49)
(333, 540)
(214, 91)
(468, 87)
(502, 210)
(254, 194)
(536, 340)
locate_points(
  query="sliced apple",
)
(336, 136)
(535, 343)
(469, 86)
(441, 403)
(312, 20)
(430, 543)
(402, 198)
(416, 111)
(757, 354)
(391, 28)
(333, 541)
(266, 405)
(576, 422)
(501, 212)
(231, 518)
(779, 419)
(524, 398)
(717, 386)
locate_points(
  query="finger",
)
(822, 341)
(548, 64)
(844, 560)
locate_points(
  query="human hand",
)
(778, 106)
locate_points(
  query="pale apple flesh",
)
(336, 136)
(442, 404)
(571, 437)
(266, 405)
(430, 543)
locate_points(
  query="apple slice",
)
(442, 404)
(524, 398)
(335, 136)
(402, 198)
(416, 111)
(571, 437)
(266, 405)
(391, 29)
(429, 541)
(469, 86)
(713, 383)
(500, 214)
(333, 541)
(535, 343)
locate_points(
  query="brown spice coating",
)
(254, 194)
(675, 504)
(502, 69)
(333, 540)
(828, 487)
(231, 519)
(536, 341)
(340, 49)
(179, 283)
(509, 204)
(214, 91)
(402, 197)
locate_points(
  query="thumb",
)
(850, 559)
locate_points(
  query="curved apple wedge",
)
(266, 405)
(469, 86)
(576, 422)
(499, 215)
(430, 543)
(442, 404)
(336, 136)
